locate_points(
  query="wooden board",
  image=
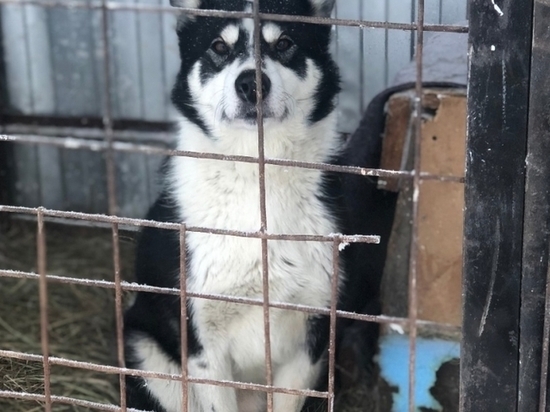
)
(441, 204)
(441, 207)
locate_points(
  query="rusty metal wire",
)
(109, 146)
(332, 331)
(176, 226)
(413, 254)
(118, 313)
(263, 209)
(72, 143)
(134, 287)
(55, 361)
(43, 291)
(183, 315)
(108, 112)
(25, 396)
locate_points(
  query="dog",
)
(216, 95)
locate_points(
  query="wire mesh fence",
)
(109, 146)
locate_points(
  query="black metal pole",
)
(498, 99)
(533, 378)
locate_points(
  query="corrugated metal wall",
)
(369, 59)
(54, 66)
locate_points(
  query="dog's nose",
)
(246, 86)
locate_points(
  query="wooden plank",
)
(440, 229)
(440, 203)
(498, 97)
(440, 251)
(444, 136)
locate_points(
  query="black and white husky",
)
(215, 93)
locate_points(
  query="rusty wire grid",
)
(110, 146)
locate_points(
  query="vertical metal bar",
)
(362, 82)
(413, 255)
(43, 293)
(498, 109)
(107, 114)
(333, 306)
(263, 212)
(533, 342)
(386, 45)
(118, 314)
(183, 325)
(543, 387)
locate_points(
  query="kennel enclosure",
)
(504, 355)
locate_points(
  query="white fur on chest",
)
(225, 195)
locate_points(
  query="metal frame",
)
(506, 326)
(109, 146)
(535, 286)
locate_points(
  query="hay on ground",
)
(81, 318)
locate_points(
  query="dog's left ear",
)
(322, 8)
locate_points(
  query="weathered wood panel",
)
(441, 203)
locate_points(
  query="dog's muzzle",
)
(246, 90)
(245, 85)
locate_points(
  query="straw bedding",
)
(81, 318)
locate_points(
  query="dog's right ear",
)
(186, 4)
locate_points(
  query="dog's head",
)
(216, 85)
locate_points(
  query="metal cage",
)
(505, 346)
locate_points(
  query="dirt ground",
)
(81, 318)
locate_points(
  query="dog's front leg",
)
(211, 398)
(297, 373)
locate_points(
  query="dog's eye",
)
(220, 47)
(283, 44)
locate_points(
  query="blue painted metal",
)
(430, 355)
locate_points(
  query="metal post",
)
(498, 99)
(534, 327)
